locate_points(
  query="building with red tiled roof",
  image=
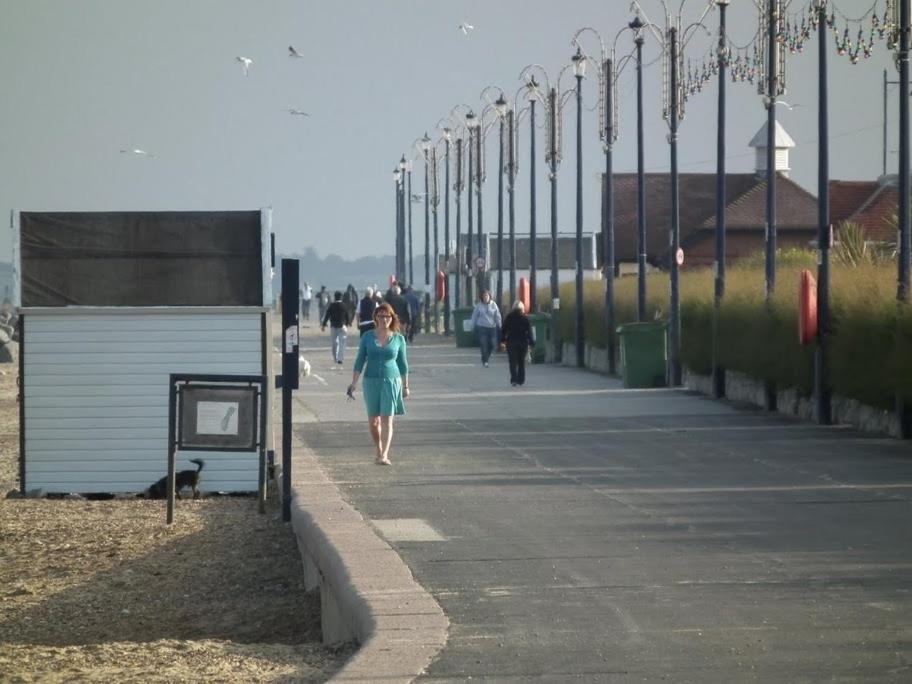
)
(870, 204)
(745, 201)
(796, 216)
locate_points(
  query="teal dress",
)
(382, 379)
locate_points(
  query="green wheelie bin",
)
(464, 338)
(541, 333)
(644, 354)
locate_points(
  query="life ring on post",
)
(524, 294)
(807, 307)
(441, 285)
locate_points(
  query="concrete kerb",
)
(367, 593)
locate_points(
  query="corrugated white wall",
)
(96, 395)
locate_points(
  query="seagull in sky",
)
(137, 153)
(465, 28)
(789, 106)
(245, 63)
(298, 112)
(417, 197)
(294, 52)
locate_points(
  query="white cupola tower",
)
(783, 142)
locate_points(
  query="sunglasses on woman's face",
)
(384, 316)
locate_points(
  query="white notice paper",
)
(217, 418)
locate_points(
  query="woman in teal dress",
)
(386, 380)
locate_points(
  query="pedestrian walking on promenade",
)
(337, 316)
(414, 307)
(400, 305)
(386, 378)
(486, 321)
(516, 334)
(322, 301)
(306, 297)
(366, 311)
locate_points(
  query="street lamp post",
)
(472, 125)
(636, 25)
(718, 371)
(458, 187)
(579, 72)
(821, 365)
(500, 108)
(446, 232)
(398, 260)
(425, 145)
(407, 199)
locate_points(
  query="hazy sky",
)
(83, 79)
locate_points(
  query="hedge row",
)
(870, 343)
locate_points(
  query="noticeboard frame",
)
(178, 383)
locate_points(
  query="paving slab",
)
(585, 531)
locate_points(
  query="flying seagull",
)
(417, 197)
(137, 152)
(245, 63)
(465, 28)
(294, 52)
(298, 112)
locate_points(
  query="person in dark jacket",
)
(366, 311)
(516, 334)
(337, 317)
(395, 299)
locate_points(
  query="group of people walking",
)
(346, 309)
(386, 323)
(513, 333)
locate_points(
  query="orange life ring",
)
(524, 294)
(441, 285)
(807, 307)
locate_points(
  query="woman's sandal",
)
(385, 461)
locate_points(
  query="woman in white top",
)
(486, 323)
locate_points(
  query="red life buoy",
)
(441, 285)
(524, 294)
(807, 307)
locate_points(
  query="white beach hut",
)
(112, 303)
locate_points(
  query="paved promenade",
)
(571, 529)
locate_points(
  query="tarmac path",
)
(571, 529)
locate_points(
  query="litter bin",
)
(644, 353)
(541, 333)
(463, 338)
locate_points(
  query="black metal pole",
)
(608, 233)
(432, 283)
(556, 341)
(772, 64)
(885, 119)
(772, 93)
(533, 238)
(427, 248)
(511, 192)
(457, 280)
(411, 257)
(674, 319)
(427, 228)
(579, 325)
(446, 239)
(398, 245)
(290, 349)
(904, 237)
(641, 189)
(500, 227)
(718, 371)
(482, 251)
(471, 218)
(821, 375)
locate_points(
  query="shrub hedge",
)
(871, 336)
